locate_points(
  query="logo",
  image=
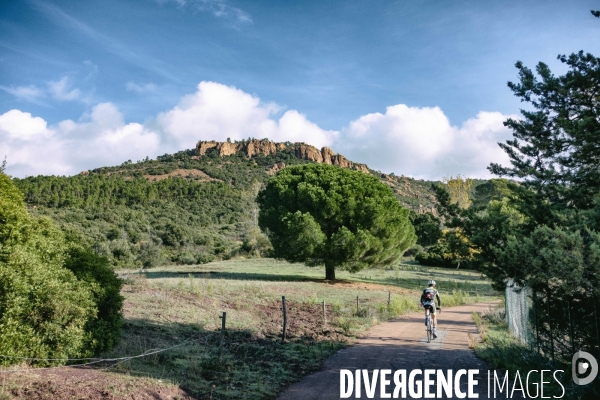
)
(583, 364)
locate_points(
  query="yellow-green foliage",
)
(401, 305)
(43, 307)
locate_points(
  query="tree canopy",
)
(555, 146)
(325, 215)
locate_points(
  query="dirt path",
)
(400, 344)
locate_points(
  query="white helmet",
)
(431, 283)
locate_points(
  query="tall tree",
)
(556, 145)
(325, 215)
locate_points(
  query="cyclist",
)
(428, 301)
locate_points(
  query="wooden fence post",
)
(284, 319)
(223, 319)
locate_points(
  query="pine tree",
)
(325, 215)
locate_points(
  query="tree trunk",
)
(329, 271)
(458, 265)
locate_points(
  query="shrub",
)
(103, 330)
(43, 307)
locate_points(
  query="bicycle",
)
(429, 327)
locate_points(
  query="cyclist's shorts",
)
(430, 306)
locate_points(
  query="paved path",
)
(401, 344)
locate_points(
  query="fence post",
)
(284, 318)
(389, 297)
(537, 332)
(356, 305)
(324, 315)
(223, 318)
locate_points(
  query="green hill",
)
(190, 207)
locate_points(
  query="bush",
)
(205, 257)
(43, 307)
(103, 330)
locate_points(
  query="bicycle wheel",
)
(429, 330)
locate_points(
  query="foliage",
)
(427, 228)
(453, 248)
(103, 331)
(43, 307)
(554, 148)
(205, 210)
(459, 189)
(136, 223)
(503, 352)
(541, 231)
(321, 214)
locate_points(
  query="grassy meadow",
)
(180, 306)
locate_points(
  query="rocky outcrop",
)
(308, 152)
(250, 147)
(301, 150)
(274, 168)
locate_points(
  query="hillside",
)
(190, 207)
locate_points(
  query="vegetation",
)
(171, 304)
(179, 208)
(459, 189)
(322, 214)
(103, 331)
(542, 231)
(45, 310)
(503, 352)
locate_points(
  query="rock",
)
(301, 150)
(307, 152)
(274, 168)
(327, 155)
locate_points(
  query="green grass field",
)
(181, 305)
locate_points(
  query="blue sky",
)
(366, 78)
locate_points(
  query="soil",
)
(84, 383)
(305, 321)
(183, 173)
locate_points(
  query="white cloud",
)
(100, 138)
(143, 88)
(219, 112)
(418, 142)
(421, 142)
(61, 90)
(219, 8)
(31, 148)
(30, 93)
(18, 125)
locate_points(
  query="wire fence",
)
(94, 361)
(518, 307)
(554, 323)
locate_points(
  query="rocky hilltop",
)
(301, 150)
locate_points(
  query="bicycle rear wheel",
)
(429, 330)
